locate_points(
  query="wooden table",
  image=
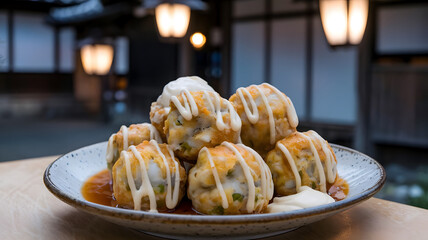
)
(29, 211)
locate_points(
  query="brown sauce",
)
(339, 189)
(99, 189)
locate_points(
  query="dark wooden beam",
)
(362, 137)
(226, 63)
(274, 16)
(268, 41)
(17, 83)
(56, 50)
(308, 64)
(10, 38)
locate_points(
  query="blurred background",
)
(73, 71)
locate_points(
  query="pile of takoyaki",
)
(240, 150)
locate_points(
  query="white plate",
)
(65, 177)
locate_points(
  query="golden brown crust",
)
(158, 115)
(187, 137)
(257, 136)
(152, 159)
(204, 192)
(299, 148)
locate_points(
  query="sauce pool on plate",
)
(98, 189)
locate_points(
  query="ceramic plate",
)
(65, 177)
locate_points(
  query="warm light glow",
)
(198, 40)
(334, 20)
(97, 59)
(358, 11)
(340, 27)
(172, 19)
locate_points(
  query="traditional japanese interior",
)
(73, 71)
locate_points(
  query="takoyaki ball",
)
(159, 110)
(230, 179)
(125, 137)
(267, 115)
(200, 119)
(148, 177)
(302, 159)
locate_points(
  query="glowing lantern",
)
(97, 59)
(172, 19)
(344, 21)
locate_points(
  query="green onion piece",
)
(314, 185)
(219, 210)
(185, 146)
(237, 197)
(161, 188)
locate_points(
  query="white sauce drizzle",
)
(291, 111)
(146, 187)
(110, 148)
(293, 166)
(186, 111)
(331, 175)
(266, 177)
(253, 113)
(317, 162)
(124, 130)
(171, 201)
(174, 88)
(224, 202)
(253, 116)
(248, 176)
(270, 115)
(154, 134)
(190, 109)
(305, 198)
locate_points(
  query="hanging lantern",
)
(172, 19)
(344, 21)
(97, 59)
(198, 40)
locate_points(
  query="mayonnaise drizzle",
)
(190, 109)
(154, 134)
(291, 111)
(318, 163)
(186, 111)
(224, 202)
(293, 166)
(331, 174)
(146, 188)
(174, 88)
(247, 174)
(305, 198)
(266, 177)
(171, 201)
(253, 113)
